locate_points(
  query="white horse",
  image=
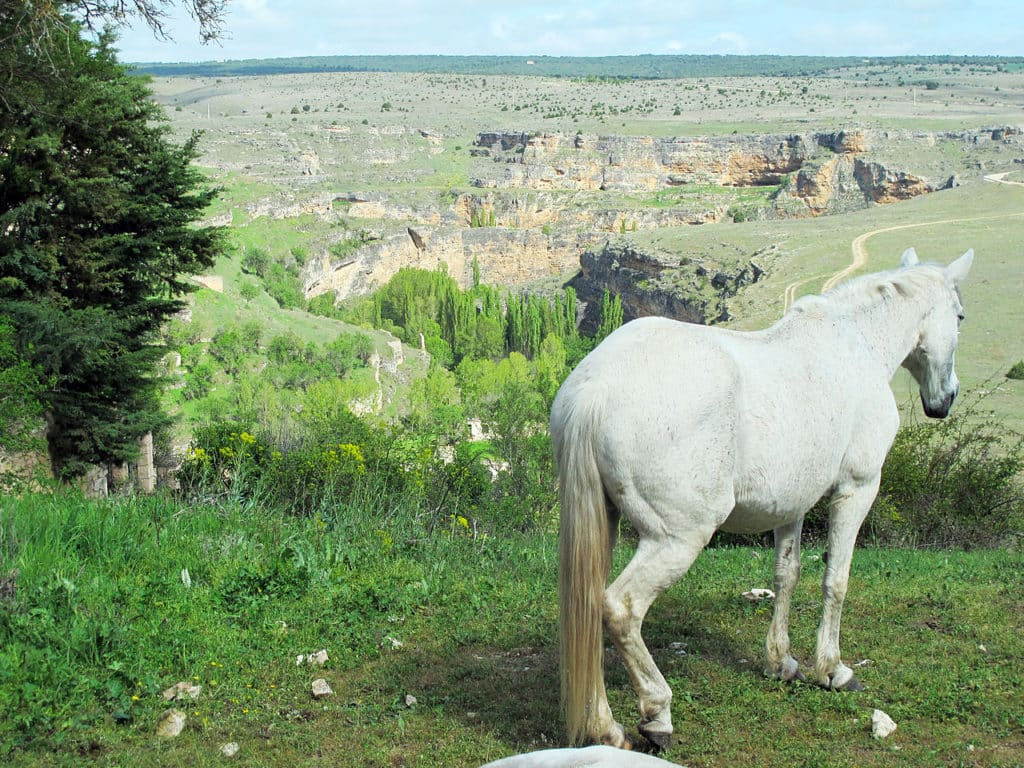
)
(686, 429)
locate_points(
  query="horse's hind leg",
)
(780, 664)
(655, 566)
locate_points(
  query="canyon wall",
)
(544, 199)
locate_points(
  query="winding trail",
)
(860, 252)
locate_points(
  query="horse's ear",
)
(909, 258)
(958, 270)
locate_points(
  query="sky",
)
(281, 29)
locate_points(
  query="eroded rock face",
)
(505, 257)
(545, 198)
(658, 284)
(636, 163)
(830, 172)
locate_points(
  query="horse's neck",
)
(884, 330)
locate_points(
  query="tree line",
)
(643, 67)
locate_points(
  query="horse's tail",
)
(585, 543)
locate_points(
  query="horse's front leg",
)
(780, 664)
(848, 508)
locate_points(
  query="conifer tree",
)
(97, 236)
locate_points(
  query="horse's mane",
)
(869, 290)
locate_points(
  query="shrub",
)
(1016, 371)
(223, 456)
(952, 483)
(283, 287)
(256, 261)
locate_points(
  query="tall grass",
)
(98, 620)
(100, 615)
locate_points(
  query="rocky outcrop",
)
(634, 163)
(541, 199)
(650, 283)
(844, 183)
(552, 161)
(819, 172)
(504, 256)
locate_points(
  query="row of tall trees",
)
(477, 323)
(97, 214)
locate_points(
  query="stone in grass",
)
(230, 749)
(881, 724)
(317, 659)
(171, 723)
(182, 690)
(321, 689)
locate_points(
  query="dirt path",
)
(860, 253)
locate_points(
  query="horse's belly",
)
(759, 518)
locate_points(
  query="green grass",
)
(101, 623)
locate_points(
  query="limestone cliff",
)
(632, 163)
(541, 199)
(505, 257)
(652, 283)
(832, 171)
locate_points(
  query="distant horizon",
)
(273, 29)
(536, 58)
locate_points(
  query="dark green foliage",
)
(199, 380)
(1016, 371)
(21, 385)
(96, 238)
(479, 323)
(256, 261)
(284, 287)
(229, 349)
(951, 483)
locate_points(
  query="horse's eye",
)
(960, 317)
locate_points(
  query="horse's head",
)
(931, 360)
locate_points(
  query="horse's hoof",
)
(852, 686)
(659, 740)
(618, 739)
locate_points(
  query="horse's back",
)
(656, 401)
(651, 370)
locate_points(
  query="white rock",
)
(171, 723)
(410, 700)
(881, 724)
(230, 749)
(182, 690)
(394, 642)
(321, 689)
(317, 659)
(759, 594)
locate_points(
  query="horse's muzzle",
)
(940, 410)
